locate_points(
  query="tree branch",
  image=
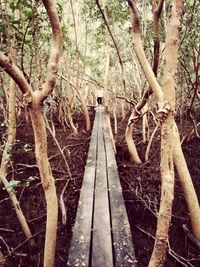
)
(17, 75)
(48, 86)
(160, 7)
(113, 39)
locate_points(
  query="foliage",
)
(13, 184)
(33, 40)
(189, 50)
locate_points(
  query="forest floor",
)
(141, 189)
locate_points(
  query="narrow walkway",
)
(101, 234)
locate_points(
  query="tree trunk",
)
(169, 84)
(34, 102)
(149, 73)
(168, 136)
(11, 136)
(169, 95)
(87, 116)
(131, 145)
(70, 120)
(167, 193)
(47, 183)
(187, 186)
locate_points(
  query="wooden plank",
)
(102, 210)
(102, 255)
(124, 254)
(79, 252)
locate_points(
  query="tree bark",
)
(11, 134)
(34, 102)
(131, 145)
(138, 48)
(47, 182)
(187, 186)
(153, 85)
(168, 137)
(169, 84)
(168, 125)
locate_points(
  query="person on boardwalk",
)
(100, 96)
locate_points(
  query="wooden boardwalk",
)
(101, 234)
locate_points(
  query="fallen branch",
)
(139, 197)
(23, 243)
(6, 245)
(191, 236)
(170, 251)
(7, 230)
(177, 257)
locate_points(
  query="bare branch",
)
(160, 7)
(113, 39)
(17, 75)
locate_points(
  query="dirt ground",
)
(141, 189)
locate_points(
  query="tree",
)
(34, 100)
(166, 102)
(11, 130)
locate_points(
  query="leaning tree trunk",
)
(167, 112)
(187, 186)
(11, 132)
(6, 158)
(40, 136)
(131, 144)
(157, 9)
(34, 102)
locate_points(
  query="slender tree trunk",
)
(11, 136)
(168, 129)
(131, 145)
(47, 183)
(70, 120)
(150, 143)
(11, 131)
(187, 186)
(168, 137)
(167, 193)
(105, 18)
(149, 72)
(87, 115)
(138, 48)
(6, 158)
(106, 74)
(115, 123)
(34, 102)
(145, 126)
(78, 85)
(129, 129)
(168, 84)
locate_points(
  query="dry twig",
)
(170, 251)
